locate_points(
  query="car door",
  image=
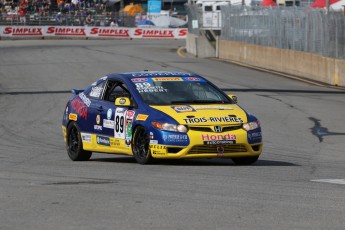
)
(116, 121)
(95, 95)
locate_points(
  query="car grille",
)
(210, 128)
(203, 149)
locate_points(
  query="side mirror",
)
(122, 101)
(233, 97)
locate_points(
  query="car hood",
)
(214, 114)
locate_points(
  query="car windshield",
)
(176, 90)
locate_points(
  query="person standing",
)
(114, 23)
(23, 9)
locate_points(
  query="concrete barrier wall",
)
(199, 46)
(303, 64)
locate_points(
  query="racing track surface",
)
(40, 188)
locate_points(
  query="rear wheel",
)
(141, 146)
(75, 145)
(245, 160)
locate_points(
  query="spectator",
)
(23, 9)
(113, 23)
(45, 7)
(1, 5)
(88, 20)
(61, 5)
(82, 17)
(58, 19)
(75, 3)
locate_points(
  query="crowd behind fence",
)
(65, 13)
(75, 19)
(296, 28)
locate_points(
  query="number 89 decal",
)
(123, 123)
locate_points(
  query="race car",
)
(159, 115)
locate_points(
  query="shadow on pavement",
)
(193, 162)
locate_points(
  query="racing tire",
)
(245, 160)
(141, 146)
(74, 144)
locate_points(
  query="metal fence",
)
(68, 19)
(297, 28)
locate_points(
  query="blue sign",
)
(154, 6)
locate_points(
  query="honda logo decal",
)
(217, 129)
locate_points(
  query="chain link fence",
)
(68, 19)
(296, 28)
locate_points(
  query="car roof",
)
(149, 74)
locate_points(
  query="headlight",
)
(251, 125)
(169, 127)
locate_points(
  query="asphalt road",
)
(40, 188)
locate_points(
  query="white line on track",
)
(332, 181)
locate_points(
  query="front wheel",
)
(245, 160)
(75, 145)
(141, 146)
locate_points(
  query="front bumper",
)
(209, 145)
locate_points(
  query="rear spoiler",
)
(77, 91)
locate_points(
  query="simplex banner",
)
(92, 32)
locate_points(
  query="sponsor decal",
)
(148, 88)
(217, 129)
(142, 117)
(158, 147)
(183, 109)
(23, 31)
(151, 135)
(175, 138)
(66, 31)
(212, 119)
(139, 79)
(86, 137)
(154, 33)
(78, 106)
(119, 131)
(103, 140)
(153, 141)
(108, 124)
(98, 119)
(217, 139)
(122, 101)
(167, 79)
(114, 142)
(97, 127)
(73, 117)
(151, 74)
(102, 32)
(128, 131)
(96, 91)
(109, 114)
(210, 107)
(254, 137)
(85, 99)
(130, 114)
(192, 79)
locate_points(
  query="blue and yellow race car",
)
(156, 114)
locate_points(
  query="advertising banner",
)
(92, 32)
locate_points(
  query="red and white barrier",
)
(92, 32)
